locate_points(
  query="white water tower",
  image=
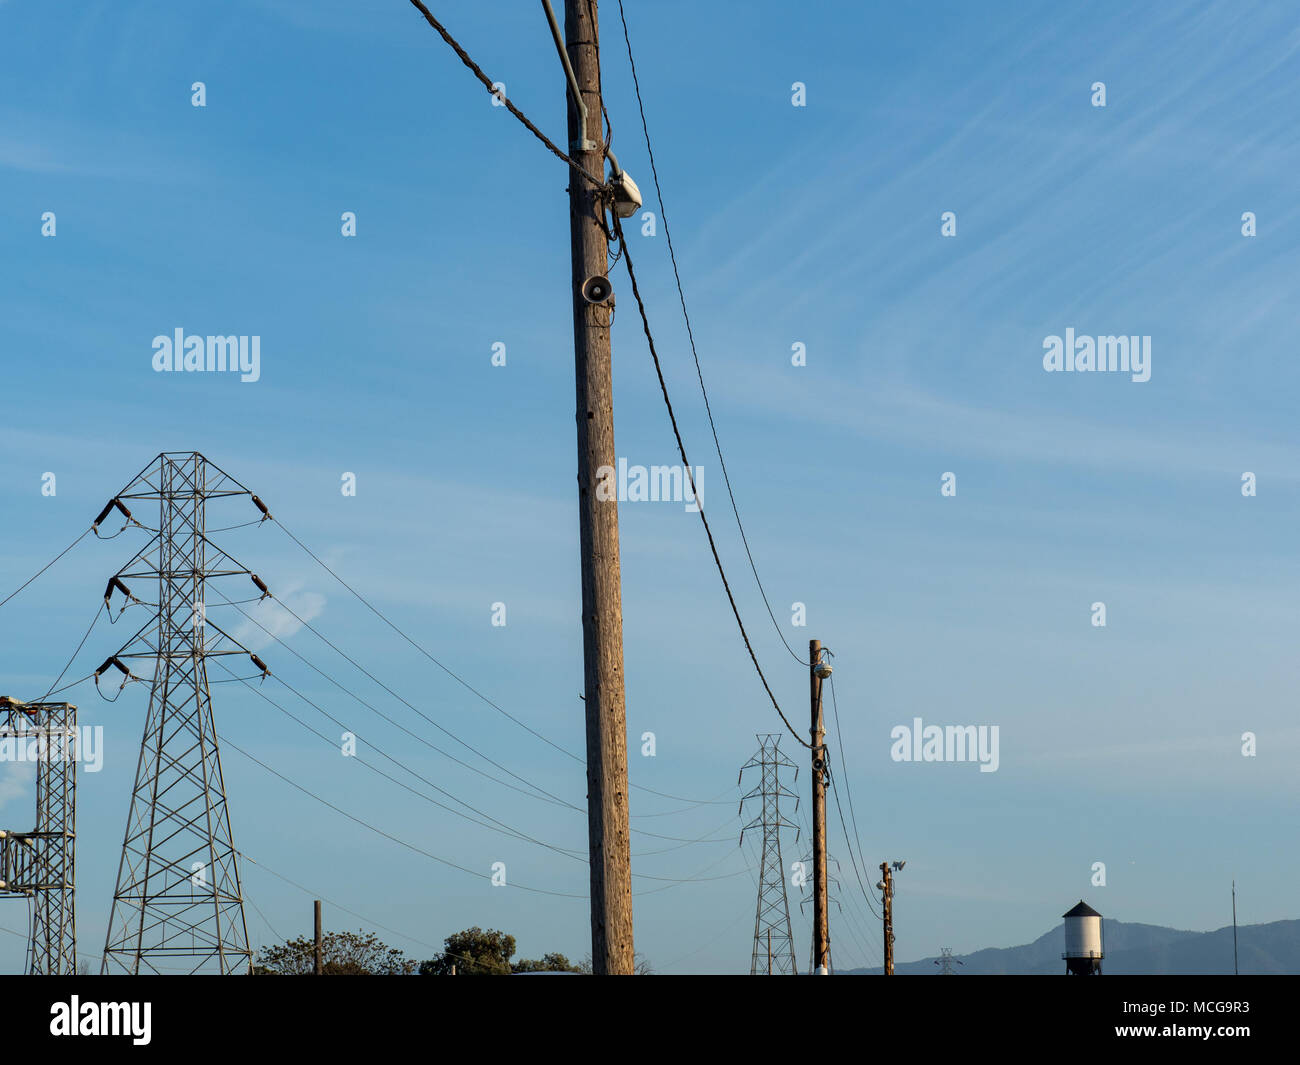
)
(1083, 948)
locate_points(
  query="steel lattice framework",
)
(773, 944)
(41, 864)
(178, 905)
(832, 886)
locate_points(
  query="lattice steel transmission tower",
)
(773, 945)
(832, 899)
(41, 864)
(178, 905)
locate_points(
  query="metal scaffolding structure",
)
(41, 864)
(178, 905)
(773, 953)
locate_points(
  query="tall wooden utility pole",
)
(821, 931)
(888, 890)
(318, 968)
(602, 600)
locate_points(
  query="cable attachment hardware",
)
(115, 663)
(114, 502)
(116, 583)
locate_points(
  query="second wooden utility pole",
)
(888, 904)
(821, 930)
(318, 967)
(602, 600)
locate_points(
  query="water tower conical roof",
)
(1082, 910)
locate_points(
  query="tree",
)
(343, 954)
(550, 963)
(473, 952)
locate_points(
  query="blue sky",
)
(817, 225)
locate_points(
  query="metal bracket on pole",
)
(582, 144)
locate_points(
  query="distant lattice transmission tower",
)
(832, 899)
(40, 864)
(773, 944)
(178, 906)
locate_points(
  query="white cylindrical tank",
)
(1083, 952)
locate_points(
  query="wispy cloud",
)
(15, 782)
(272, 622)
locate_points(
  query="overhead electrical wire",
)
(671, 881)
(82, 644)
(382, 617)
(848, 790)
(690, 333)
(249, 899)
(487, 83)
(542, 793)
(352, 695)
(492, 89)
(848, 905)
(226, 742)
(681, 450)
(45, 567)
(495, 826)
(339, 906)
(452, 674)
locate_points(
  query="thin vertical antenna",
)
(1234, 929)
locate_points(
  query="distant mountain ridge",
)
(1137, 949)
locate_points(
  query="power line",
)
(379, 614)
(491, 88)
(45, 567)
(503, 827)
(848, 789)
(853, 858)
(386, 835)
(489, 85)
(454, 676)
(67, 687)
(548, 796)
(695, 878)
(340, 906)
(258, 909)
(670, 881)
(708, 837)
(681, 449)
(690, 333)
(82, 644)
(848, 904)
